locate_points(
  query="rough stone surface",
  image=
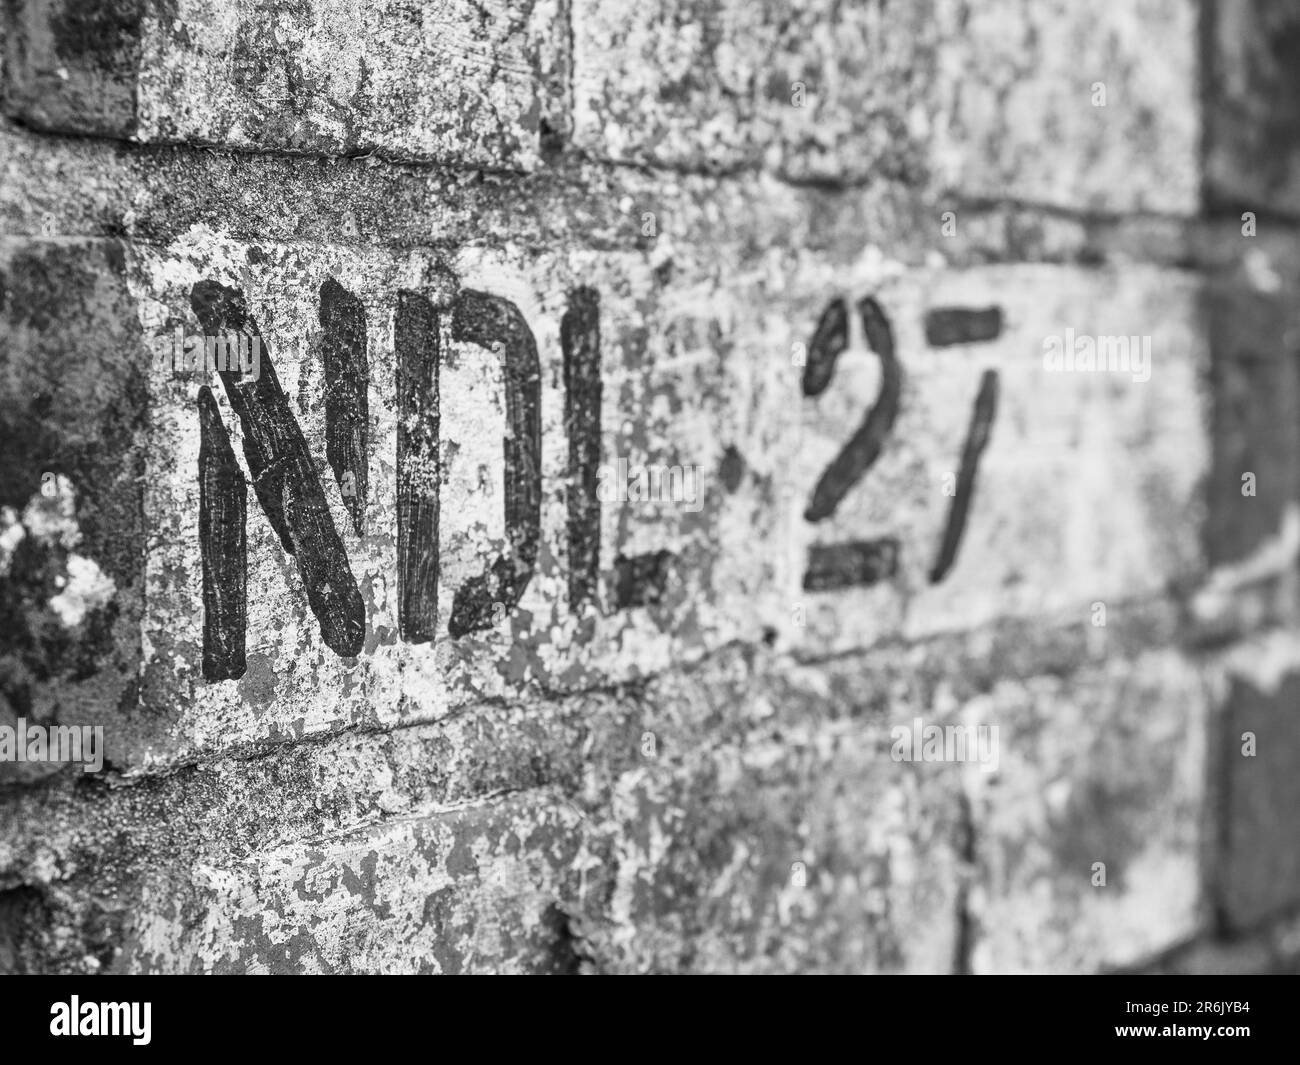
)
(1252, 161)
(1090, 835)
(73, 399)
(694, 770)
(981, 99)
(476, 84)
(1261, 843)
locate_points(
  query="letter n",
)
(284, 478)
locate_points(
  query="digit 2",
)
(865, 562)
(857, 562)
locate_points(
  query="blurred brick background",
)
(702, 782)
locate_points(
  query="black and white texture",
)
(665, 413)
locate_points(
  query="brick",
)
(478, 85)
(778, 88)
(71, 403)
(1251, 324)
(1252, 155)
(1258, 860)
(1252, 527)
(1014, 113)
(1062, 454)
(1107, 766)
(72, 67)
(466, 891)
(767, 830)
(990, 102)
(193, 871)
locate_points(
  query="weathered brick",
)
(767, 829)
(1251, 325)
(694, 770)
(72, 401)
(989, 100)
(1106, 766)
(1252, 153)
(466, 891)
(1252, 527)
(1017, 112)
(1257, 864)
(73, 66)
(475, 84)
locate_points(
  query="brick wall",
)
(385, 685)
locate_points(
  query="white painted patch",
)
(51, 514)
(12, 534)
(1274, 557)
(1266, 661)
(1259, 269)
(88, 588)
